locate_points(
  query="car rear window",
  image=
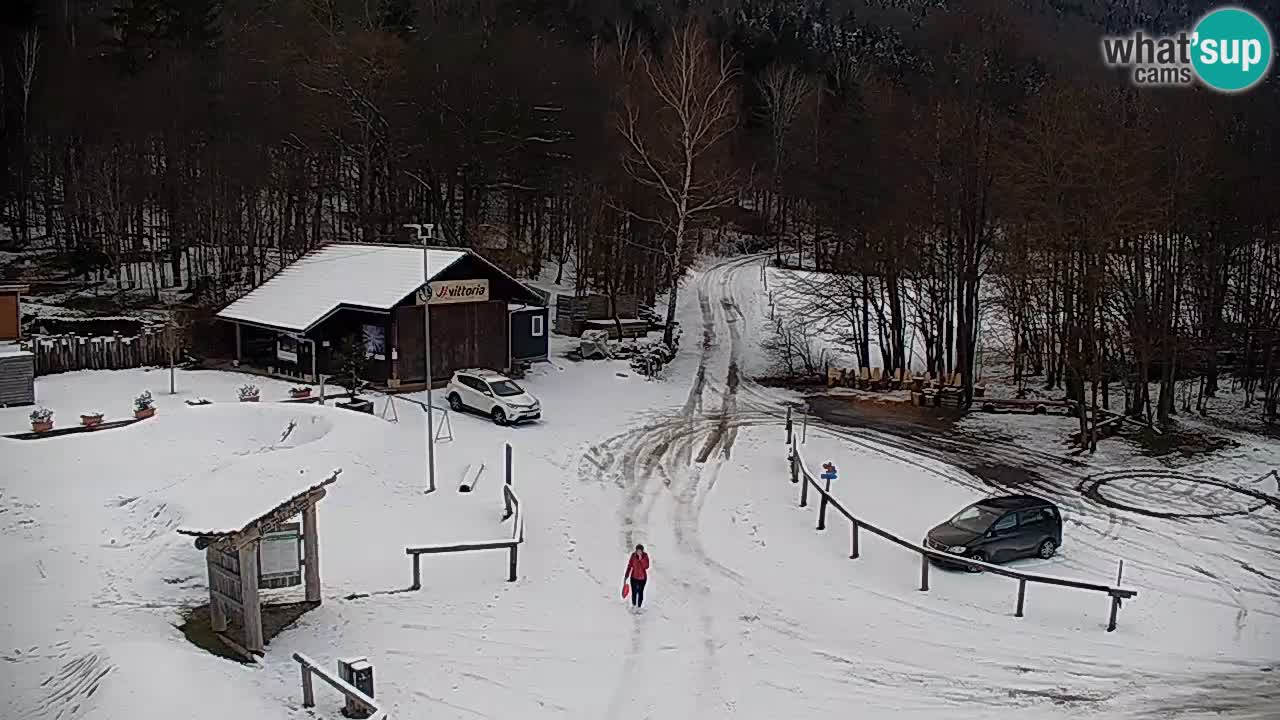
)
(1039, 516)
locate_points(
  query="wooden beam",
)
(217, 618)
(249, 598)
(311, 553)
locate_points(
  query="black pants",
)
(637, 592)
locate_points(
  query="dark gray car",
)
(1000, 529)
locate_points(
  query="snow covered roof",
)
(354, 275)
(249, 498)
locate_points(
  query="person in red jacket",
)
(638, 574)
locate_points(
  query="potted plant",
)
(144, 406)
(300, 392)
(41, 420)
(249, 393)
(91, 419)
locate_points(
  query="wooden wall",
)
(463, 335)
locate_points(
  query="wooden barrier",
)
(511, 545)
(353, 695)
(62, 353)
(799, 472)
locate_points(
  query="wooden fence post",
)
(1115, 609)
(822, 512)
(795, 465)
(515, 549)
(924, 572)
(417, 573)
(788, 424)
(1022, 596)
(506, 498)
(308, 692)
(804, 491)
(853, 540)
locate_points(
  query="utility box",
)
(358, 672)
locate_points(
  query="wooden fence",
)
(62, 353)
(353, 695)
(800, 474)
(513, 509)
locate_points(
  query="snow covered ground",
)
(751, 613)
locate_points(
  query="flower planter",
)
(253, 398)
(300, 394)
(144, 413)
(90, 420)
(41, 426)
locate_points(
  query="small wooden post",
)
(788, 424)
(804, 424)
(311, 552)
(1022, 596)
(249, 597)
(1115, 609)
(853, 540)
(308, 692)
(417, 573)
(506, 498)
(795, 465)
(822, 512)
(924, 572)
(217, 616)
(515, 549)
(804, 492)
(1119, 573)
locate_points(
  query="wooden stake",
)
(1022, 596)
(308, 692)
(249, 599)
(311, 552)
(924, 572)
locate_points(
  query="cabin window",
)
(537, 328)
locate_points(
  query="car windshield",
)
(974, 518)
(505, 388)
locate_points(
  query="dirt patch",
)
(1183, 442)
(276, 619)
(1010, 476)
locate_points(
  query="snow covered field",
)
(750, 612)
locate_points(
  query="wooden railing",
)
(311, 668)
(800, 474)
(514, 509)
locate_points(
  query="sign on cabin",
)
(445, 292)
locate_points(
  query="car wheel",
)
(980, 557)
(499, 417)
(455, 402)
(1047, 549)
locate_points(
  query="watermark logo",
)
(1229, 50)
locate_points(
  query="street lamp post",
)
(425, 237)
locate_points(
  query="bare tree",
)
(683, 106)
(785, 92)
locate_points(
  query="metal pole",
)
(426, 331)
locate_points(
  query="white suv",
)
(493, 394)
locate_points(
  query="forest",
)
(943, 167)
